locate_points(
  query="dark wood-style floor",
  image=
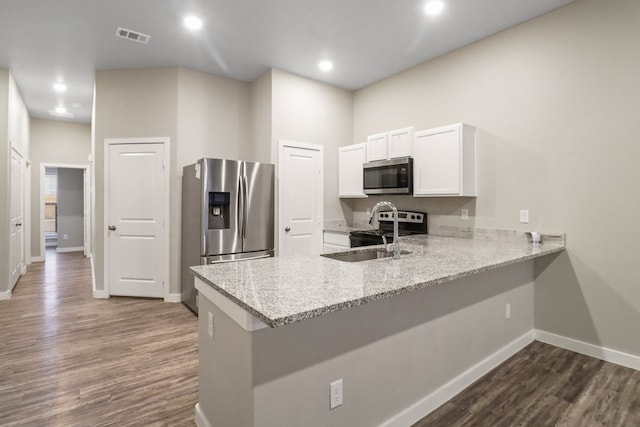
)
(544, 386)
(67, 359)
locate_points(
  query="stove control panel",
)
(403, 216)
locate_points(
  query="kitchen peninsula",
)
(403, 335)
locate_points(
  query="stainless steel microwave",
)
(393, 176)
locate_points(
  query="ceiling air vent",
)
(133, 35)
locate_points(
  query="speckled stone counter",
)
(342, 229)
(283, 290)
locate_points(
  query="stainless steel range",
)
(408, 223)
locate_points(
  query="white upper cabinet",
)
(390, 145)
(377, 147)
(350, 160)
(444, 161)
(400, 143)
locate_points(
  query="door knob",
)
(112, 228)
(18, 224)
(287, 229)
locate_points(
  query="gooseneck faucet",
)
(395, 246)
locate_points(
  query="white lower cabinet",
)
(444, 161)
(333, 242)
(350, 160)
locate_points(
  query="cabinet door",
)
(400, 143)
(328, 248)
(350, 160)
(377, 147)
(444, 161)
(336, 239)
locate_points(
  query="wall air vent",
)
(133, 35)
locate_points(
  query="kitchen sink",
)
(365, 255)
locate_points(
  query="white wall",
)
(556, 101)
(53, 141)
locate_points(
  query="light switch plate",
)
(464, 214)
(336, 394)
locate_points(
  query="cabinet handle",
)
(112, 228)
(287, 229)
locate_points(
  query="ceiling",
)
(45, 41)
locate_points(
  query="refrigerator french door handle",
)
(245, 192)
(240, 208)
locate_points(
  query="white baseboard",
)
(602, 353)
(37, 259)
(201, 420)
(101, 294)
(73, 249)
(173, 298)
(440, 396)
(5, 295)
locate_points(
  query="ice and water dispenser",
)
(218, 210)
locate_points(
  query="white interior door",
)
(16, 233)
(135, 220)
(86, 212)
(301, 199)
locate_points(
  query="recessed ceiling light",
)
(66, 114)
(193, 22)
(433, 7)
(59, 87)
(61, 110)
(325, 65)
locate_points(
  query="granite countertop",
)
(284, 290)
(342, 229)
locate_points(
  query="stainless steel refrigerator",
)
(227, 215)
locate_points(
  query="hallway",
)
(68, 359)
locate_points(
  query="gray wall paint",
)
(70, 208)
(14, 132)
(203, 114)
(128, 104)
(5, 161)
(306, 110)
(54, 142)
(556, 102)
(212, 116)
(414, 343)
(259, 149)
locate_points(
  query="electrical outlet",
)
(464, 214)
(210, 323)
(507, 311)
(65, 236)
(524, 216)
(336, 394)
